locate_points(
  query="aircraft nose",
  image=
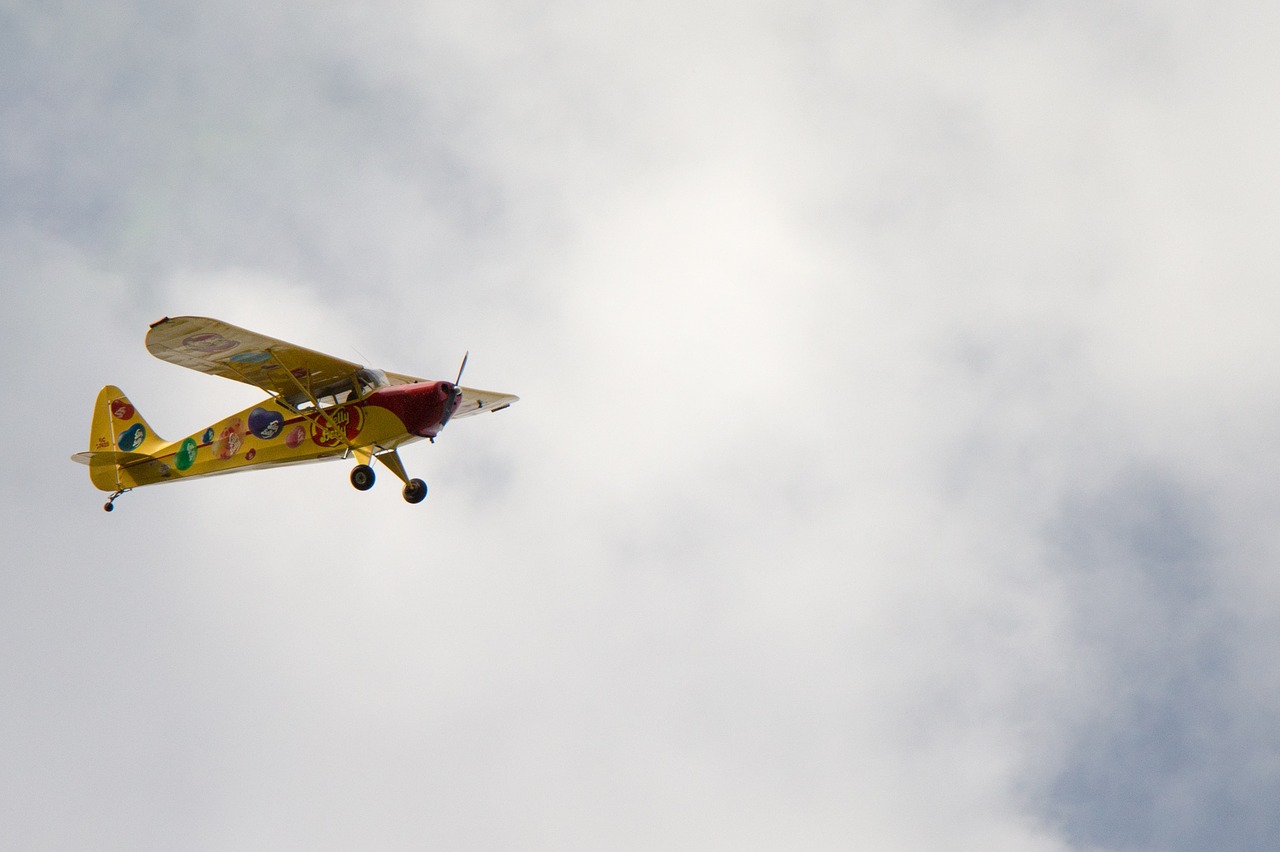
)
(424, 407)
(452, 397)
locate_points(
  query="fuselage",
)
(275, 433)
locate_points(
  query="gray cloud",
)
(892, 467)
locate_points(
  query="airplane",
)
(320, 408)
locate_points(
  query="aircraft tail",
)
(119, 435)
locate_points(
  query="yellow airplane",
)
(320, 408)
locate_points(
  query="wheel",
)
(362, 477)
(107, 507)
(415, 491)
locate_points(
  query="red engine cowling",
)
(424, 408)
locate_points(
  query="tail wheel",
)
(362, 477)
(415, 491)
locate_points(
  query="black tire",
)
(415, 491)
(362, 477)
(108, 507)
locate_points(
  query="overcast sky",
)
(895, 467)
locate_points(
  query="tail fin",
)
(117, 425)
(118, 429)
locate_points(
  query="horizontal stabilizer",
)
(110, 457)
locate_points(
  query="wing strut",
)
(314, 417)
(296, 380)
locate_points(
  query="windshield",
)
(349, 389)
(369, 379)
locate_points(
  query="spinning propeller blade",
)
(456, 393)
(465, 355)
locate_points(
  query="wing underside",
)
(286, 370)
(293, 373)
(475, 401)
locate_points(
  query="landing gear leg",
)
(414, 489)
(109, 505)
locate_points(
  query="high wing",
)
(221, 349)
(292, 372)
(474, 401)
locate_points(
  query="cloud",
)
(892, 467)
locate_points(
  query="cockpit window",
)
(369, 379)
(349, 389)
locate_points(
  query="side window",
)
(368, 380)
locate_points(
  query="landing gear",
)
(109, 505)
(362, 477)
(415, 490)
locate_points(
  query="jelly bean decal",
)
(341, 426)
(121, 409)
(295, 437)
(250, 357)
(207, 437)
(132, 437)
(265, 424)
(186, 455)
(209, 343)
(230, 440)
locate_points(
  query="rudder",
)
(117, 427)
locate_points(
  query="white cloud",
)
(892, 470)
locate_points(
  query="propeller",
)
(457, 391)
(465, 355)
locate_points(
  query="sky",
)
(894, 467)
